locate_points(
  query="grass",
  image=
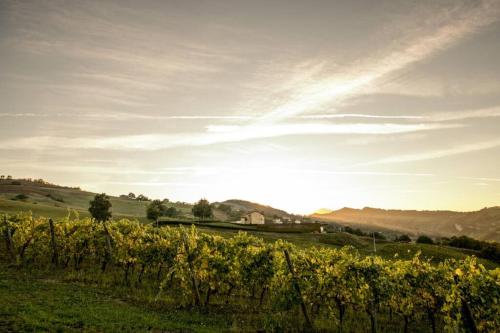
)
(55, 202)
(58, 301)
(37, 302)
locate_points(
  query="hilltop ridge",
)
(483, 224)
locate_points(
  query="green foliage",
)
(357, 231)
(225, 208)
(465, 243)
(171, 212)
(20, 196)
(403, 239)
(55, 198)
(155, 209)
(491, 251)
(423, 239)
(100, 207)
(198, 269)
(202, 209)
(142, 197)
(488, 250)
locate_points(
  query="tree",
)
(403, 239)
(100, 207)
(142, 197)
(154, 210)
(131, 195)
(225, 208)
(423, 239)
(9, 177)
(202, 209)
(171, 212)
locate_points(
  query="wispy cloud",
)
(216, 134)
(312, 95)
(482, 179)
(467, 114)
(358, 115)
(434, 154)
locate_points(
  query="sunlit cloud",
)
(434, 154)
(482, 179)
(124, 116)
(357, 115)
(216, 134)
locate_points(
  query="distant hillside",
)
(50, 200)
(54, 201)
(483, 224)
(247, 206)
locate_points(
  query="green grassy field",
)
(56, 202)
(33, 301)
(42, 301)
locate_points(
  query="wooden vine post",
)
(194, 282)
(107, 254)
(53, 243)
(296, 286)
(8, 239)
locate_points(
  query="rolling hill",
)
(483, 224)
(51, 200)
(45, 199)
(247, 206)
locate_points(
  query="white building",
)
(277, 221)
(253, 218)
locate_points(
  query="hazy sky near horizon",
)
(295, 104)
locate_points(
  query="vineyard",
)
(277, 285)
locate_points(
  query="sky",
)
(299, 105)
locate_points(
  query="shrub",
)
(423, 239)
(403, 239)
(491, 251)
(465, 243)
(20, 197)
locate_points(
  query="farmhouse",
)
(253, 218)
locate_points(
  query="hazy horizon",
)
(298, 105)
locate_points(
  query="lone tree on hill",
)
(100, 207)
(202, 209)
(155, 209)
